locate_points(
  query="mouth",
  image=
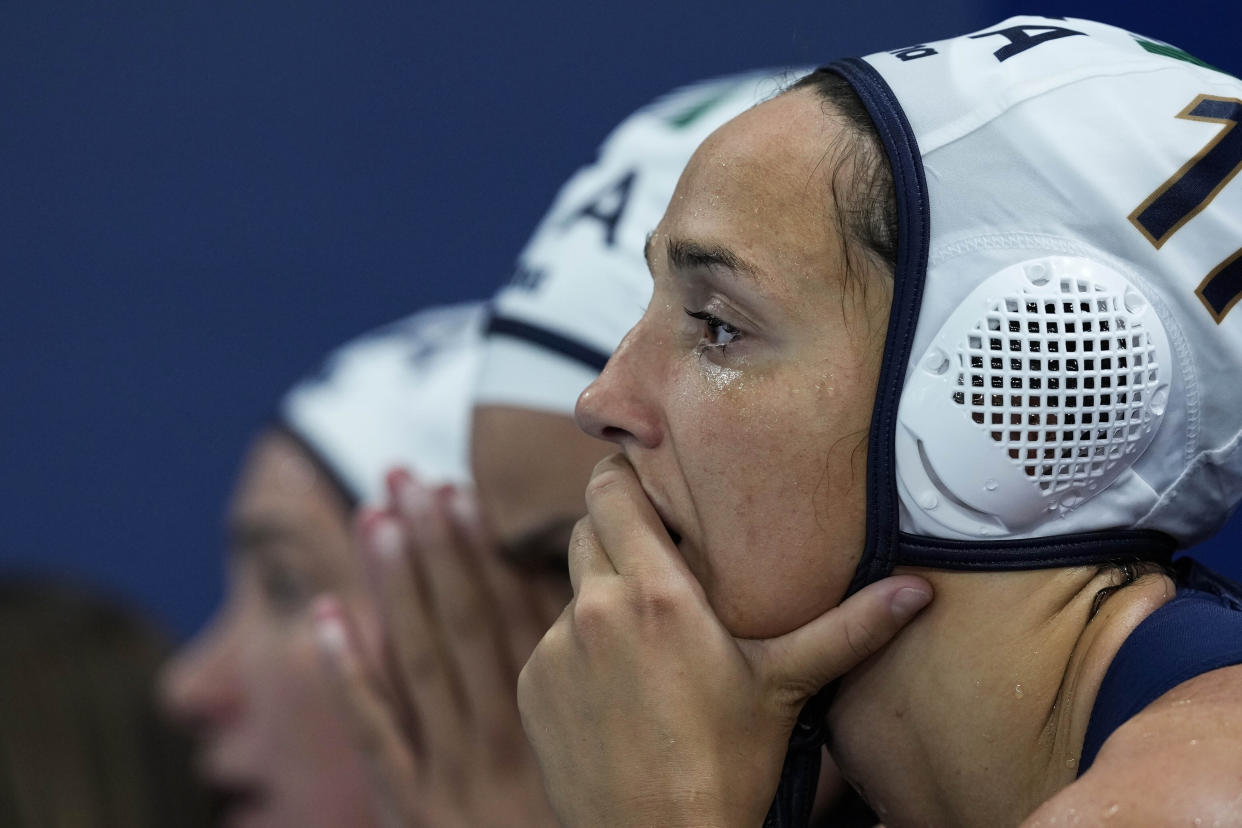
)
(660, 510)
(233, 801)
(672, 533)
(668, 525)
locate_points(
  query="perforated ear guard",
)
(1043, 387)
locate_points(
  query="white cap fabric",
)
(582, 281)
(398, 396)
(1054, 171)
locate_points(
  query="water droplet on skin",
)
(1018, 692)
(1111, 810)
(1194, 742)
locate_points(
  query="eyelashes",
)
(717, 333)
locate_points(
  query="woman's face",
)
(250, 686)
(743, 396)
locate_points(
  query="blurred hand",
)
(437, 721)
(643, 709)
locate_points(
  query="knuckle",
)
(592, 611)
(583, 538)
(861, 638)
(606, 478)
(659, 599)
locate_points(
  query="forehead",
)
(281, 490)
(762, 184)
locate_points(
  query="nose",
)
(200, 686)
(620, 406)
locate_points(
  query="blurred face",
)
(249, 686)
(530, 469)
(743, 397)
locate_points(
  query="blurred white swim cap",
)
(398, 396)
(1060, 375)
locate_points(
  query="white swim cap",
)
(398, 396)
(1060, 375)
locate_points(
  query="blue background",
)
(198, 200)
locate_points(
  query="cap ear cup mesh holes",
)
(1061, 374)
(1041, 387)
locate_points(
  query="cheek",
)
(783, 509)
(322, 777)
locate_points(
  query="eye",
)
(285, 591)
(717, 333)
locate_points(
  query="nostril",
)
(612, 434)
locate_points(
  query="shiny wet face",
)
(743, 397)
(250, 685)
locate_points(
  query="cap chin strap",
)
(800, 773)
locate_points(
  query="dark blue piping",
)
(913, 240)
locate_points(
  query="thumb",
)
(826, 648)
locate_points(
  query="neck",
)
(976, 712)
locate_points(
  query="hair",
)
(81, 741)
(866, 207)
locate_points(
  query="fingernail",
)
(328, 627)
(464, 506)
(907, 601)
(414, 497)
(386, 538)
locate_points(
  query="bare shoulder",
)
(1178, 762)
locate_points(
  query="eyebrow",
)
(251, 538)
(685, 254)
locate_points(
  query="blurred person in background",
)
(82, 744)
(250, 687)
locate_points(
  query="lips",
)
(657, 503)
(662, 513)
(672, 533)
(233, 802)
(234, 797)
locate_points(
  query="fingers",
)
(627, 525)
(420, 670)
(587, 557)
(373, 727)
(825, 649)
(482, 617)
(461, 610)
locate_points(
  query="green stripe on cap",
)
(1173, 52)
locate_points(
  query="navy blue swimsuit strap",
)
(1200, 630)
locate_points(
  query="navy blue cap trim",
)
(913, 240)
(548, 340)
(1035, 553)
